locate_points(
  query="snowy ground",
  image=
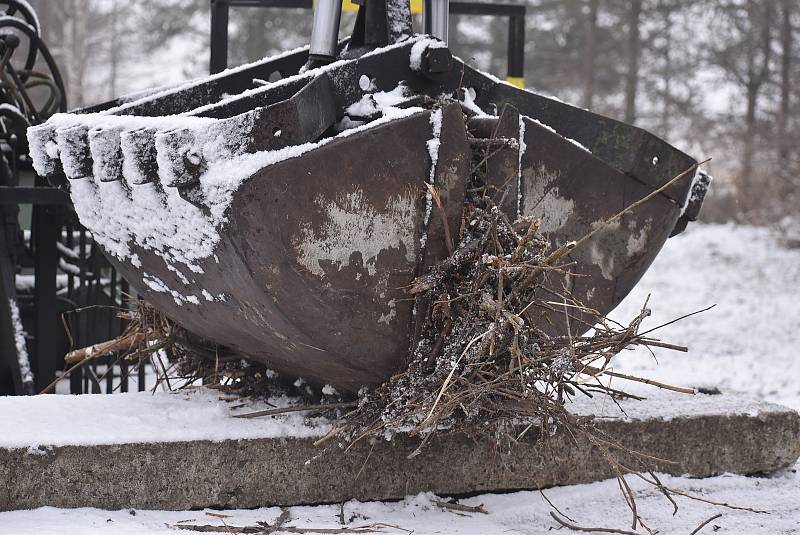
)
(746, 343)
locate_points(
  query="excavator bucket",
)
(286, 220)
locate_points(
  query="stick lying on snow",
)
(371, 528)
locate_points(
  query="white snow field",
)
(746, 343)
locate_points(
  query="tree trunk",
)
(749, 145)
(256, 42)
(787, 43)
(589, 53)
(758, 75)
(78, 53)
(634, 51)
(666, 106)
(114, 51)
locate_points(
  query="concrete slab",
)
(117, 461)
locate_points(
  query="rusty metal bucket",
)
(286, 221)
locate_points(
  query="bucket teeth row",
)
(171, 155)
(174, 153)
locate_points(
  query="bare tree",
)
(787, 46)
(590, 52)
(745, 54)
(634, 50)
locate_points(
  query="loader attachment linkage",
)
(285, 219)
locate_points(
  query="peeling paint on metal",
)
(354, 225)
(637, 242)
(541, 198)
(389, 316)
(602, 253)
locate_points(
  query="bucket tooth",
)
(104, 144)
(692, 207)
(43, 150)
(180, 160)
(139, 165)
(73, 149)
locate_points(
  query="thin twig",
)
(460, 507)
(554, 507)
(596, 372)
(298, 408)
(701, 526)
(575, 527)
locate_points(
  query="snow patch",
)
(522, 148)
(419, 48)
(143, 417)
(433, 145)
(19, 341)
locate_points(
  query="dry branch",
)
(123, 343)
(575, 527)
(461, 508)
(370, 528)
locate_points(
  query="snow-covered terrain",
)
(745, 343)
(139, 417)
(204, 414)
(521, 513)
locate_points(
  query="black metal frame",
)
(48, 205)
(54, 222)
(220, 10)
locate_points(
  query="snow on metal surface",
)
(522, 148)
(433, 145)
(423, 43)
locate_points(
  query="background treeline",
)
(718, 78)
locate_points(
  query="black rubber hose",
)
(18, 121)
(31, 21)
(36, 44)
(27, 13)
